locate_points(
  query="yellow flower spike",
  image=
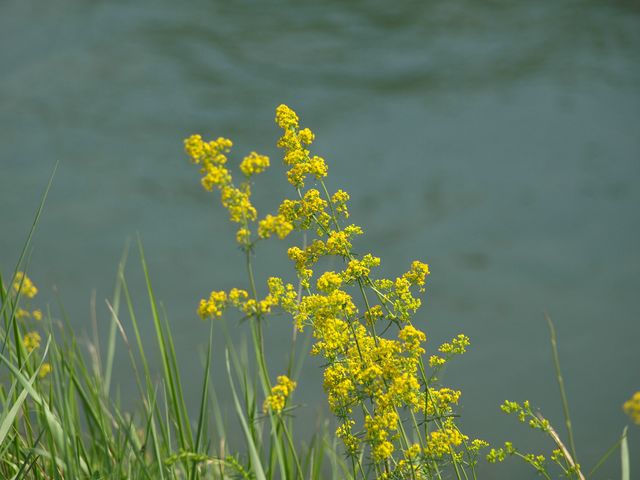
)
(253, 164)
(23, 285)
(236, 201)
(286, 118)
(31, 341)
(280, 392)
(351, 442)
(37, 314)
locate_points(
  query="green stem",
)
(563, 393)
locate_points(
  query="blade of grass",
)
(624, 456)
(205, 390)
(36, 219)
(111, 344)
(162, 344)
(608, 453)
(563, 393)
(10, 416)
(253, 452)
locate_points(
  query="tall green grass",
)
(69, 424)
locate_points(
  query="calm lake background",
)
(498, 141)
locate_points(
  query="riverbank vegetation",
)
(393, 418)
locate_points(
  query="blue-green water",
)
(498, 141)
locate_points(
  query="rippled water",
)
(498, 141)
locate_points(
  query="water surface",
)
(497, 141)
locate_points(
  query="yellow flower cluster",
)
(211, 156)
(277, 224)
(357, 269)
(45, 369)
(279, 394)
(329, 281)
(305, 212)
(279, 295)
(237, 201)
(22, 313)
(536, 461)
(253, 164)
(457, 346)
(417, 274)
(362, 367)
(293, 141)
(24, 286)
(440, 401)
(339, 201)
(214, 306)
(31, 341)
(373, 381)
(441, 441)
(632, 408)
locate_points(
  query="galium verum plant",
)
(394, 418)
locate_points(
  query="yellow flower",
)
(412, 338)
(37, 315)
(236, 200)
(442, 441)
(194, 146)
(45, 370)
(286, 118)
(243, 236)
(436, 361)
(279, 394)
(417, 273)
(632, 408)
(24, 286)
(360, 268)
(339, 242)
(254, 163)
(458, 345)
(237, 297)
(339, 200)
(274, 224)
(351, 442)
(214, 306)
(31, 341)
(328, 282)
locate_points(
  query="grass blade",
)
(624, 456)
(36, 219)
(563, 393)
(253, 452)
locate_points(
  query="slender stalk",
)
(563, 393)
